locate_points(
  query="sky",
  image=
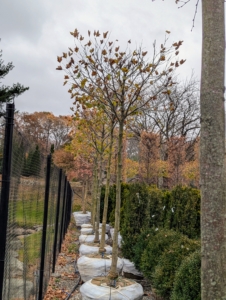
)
(34, 33)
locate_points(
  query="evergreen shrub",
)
(187, 282)
(183, 210)
(133, 216)
(157, 244)
(169, 262)
(140, 246)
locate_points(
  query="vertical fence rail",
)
(5, 190)
(63, 214)
(57, 221)
(45, 217)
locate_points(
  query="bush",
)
(161, 241)
(187, 282)
(141, 245)
(169, 262)
(133, 216)
(183, 211)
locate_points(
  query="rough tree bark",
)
(212, 152)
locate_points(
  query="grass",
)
(29, 213)
(31, 248)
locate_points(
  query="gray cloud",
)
(34, 32)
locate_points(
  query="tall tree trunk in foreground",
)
(212, 152)
(104, 219)
(113, 271)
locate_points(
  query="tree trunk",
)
(104, 220)
(94, 194)
(96, 239)
(83, 198)
(212, 152)
(113, 271)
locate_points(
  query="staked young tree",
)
(8, 93)
(116, 81)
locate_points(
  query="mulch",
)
(65, 281)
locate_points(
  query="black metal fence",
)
(35, 210)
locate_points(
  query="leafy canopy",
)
(118, 81)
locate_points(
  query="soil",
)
(65, 281)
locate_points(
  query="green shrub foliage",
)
(157, 244)
(187, 282)
(183, 213)
(168, 263)
(140, 246)
(133, 216)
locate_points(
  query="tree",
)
(45, 129)
(7, 93)
(116, 81)
(212, 151)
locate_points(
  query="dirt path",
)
(65, 282)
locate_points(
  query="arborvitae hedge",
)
(183, 213)
(144, 206)
(187, 282)
(157, 228)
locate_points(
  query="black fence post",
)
(5, 190)
(68, 213)
(66, 209)
(57, 221)
(63, 214)
(45, 217)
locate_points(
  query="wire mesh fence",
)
(35, 209)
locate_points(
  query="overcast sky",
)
(33, 33)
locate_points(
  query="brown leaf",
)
(59, 68)
(88, 32)
(167, 31)
(76, 49)
(177, 52)
(129, 41)
(105, 34)
(182, 61)
(59, 58)
(144, 53)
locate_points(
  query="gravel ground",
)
(65, 282)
